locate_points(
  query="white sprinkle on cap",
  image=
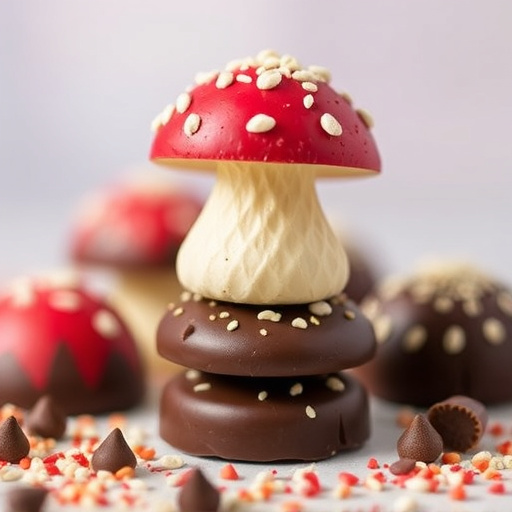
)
(269, 79)
(308, 101)
(65, 300)
(183, 102)
(331, 125)
(192, 124)
(260, 123)
(225, 79)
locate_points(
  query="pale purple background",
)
(80, 82)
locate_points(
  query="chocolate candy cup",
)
(230, 339)
(264, 419)
(460, 421)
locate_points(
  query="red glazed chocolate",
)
(274, 341)
(64, 341)
(134, 225)
(445, 330)
(264, 419)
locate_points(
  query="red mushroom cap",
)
(284, 115)
(134, 225)
(66, 342)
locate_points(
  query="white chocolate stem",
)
(262, 238)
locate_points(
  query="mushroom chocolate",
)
(443, 330)
(263, 271)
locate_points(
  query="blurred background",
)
(81, 81)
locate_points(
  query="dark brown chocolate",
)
(402, 466)
(264, 419)
(441, 337)
(14, 444)
(113, 453)
(46, 419)
(198, 494)
(420, 441)
(230, 339)
(25, 499)
(460, 421)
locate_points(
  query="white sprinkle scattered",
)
(414, 338)
(405, 503)
(494, 331)
(331, 125)
(314, 320)
(203, 386)
(268, 314)
(260, 123)
(269, 80)
(262, 395)
(178, 311)
(225, 79)
(106, 324)
(443, 304)
(308, 101)
(212, 303)
(365, 117)
(349, 314)
(320, 308)
(232, 326)
(197, 297)
(192, 374)
(169, 462)
(310, 412)
(299, 323)
(224, 314)
(335, 384)
(310, 86)
(212, 318)
(296, 389)
(245, 79)
(472, 307)
(192, 124)
(183, 101)
(263, 332)
(65, 300)
(454, 340)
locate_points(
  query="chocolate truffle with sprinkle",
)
(444, 330)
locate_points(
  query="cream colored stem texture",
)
(262, 238)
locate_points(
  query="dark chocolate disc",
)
(264, 419)
(274, 341)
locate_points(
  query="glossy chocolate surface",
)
(196, 334)
(264, 419)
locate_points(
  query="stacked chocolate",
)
(264, 325)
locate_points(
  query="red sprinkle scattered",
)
(372, 463)
(313, 484)
(496, 429)
(228, 472)
(348, 478)
(505, 448)
(496, 488)
(458, 493)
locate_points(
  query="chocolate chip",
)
(420, 441)
(46, 419)
(25, 499)
(402, 466)
(198, 494)
(460, 420)
(113, 453)
(14, 444)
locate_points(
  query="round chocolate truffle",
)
(444, 330)
(59, 339)
(264, 419)
(273, 341)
